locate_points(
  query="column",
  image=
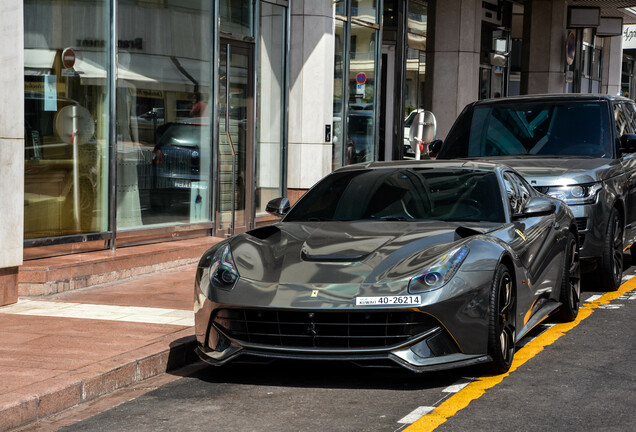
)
(310, 93)
(612, 64)
(452, 59)
(543, 50)
(11, 148)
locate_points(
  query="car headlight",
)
(223, 273)
(575, 194)
(440, 272)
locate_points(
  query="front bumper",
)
(455, 334)
(591, 221)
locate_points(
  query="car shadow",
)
(322, 374)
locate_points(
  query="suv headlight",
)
(223, 273)
(440, 272)
(575, 194)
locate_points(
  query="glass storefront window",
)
(163, 120)
(338, 100)
(270, 102)
(361, 122)
(237, 17)
(66, 118)
(365, 10)
(415, 59)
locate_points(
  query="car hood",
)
(318, 253)
(563, 170)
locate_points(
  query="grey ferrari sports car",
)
(424, 264)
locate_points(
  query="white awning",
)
(38, 61)
(145, 71)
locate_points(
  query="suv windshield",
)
(531, 128)
(403, 194)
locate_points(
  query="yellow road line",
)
(477, 388)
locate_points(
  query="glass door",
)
(236, 148)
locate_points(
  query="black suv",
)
(579, 148)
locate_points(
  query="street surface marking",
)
(416, 414)
(457, 386)
(477, 388)
(103, 312)
(593, 298)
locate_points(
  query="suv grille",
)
(336, 330)
(581, 223)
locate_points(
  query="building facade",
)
(132, 121)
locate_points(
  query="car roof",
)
(552, 98)
(451, 164)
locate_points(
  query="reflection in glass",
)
(361, 124)
(234, 88)
(417, 17)
(236, 17)
(270, 105)
(163, 121)
(341, 7)
(66, 118)
(365, 10)
(338, 106)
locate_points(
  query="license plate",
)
(389, 300)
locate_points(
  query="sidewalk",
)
(63, 350)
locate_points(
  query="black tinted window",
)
(403, 194)
(559, 128)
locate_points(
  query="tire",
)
(611, 266)
(501, 321)
(570, 293)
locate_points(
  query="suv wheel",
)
(611, 268)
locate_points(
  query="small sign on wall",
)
(629, 36)
(50, 93)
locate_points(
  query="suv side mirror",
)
(434, 147)
(536, 206)
(627, 143)
(278, 206)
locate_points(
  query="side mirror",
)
(423, 130)
(434, 147)
(627, 143)
(536, 206)
(278, 206)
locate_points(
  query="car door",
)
(625, 122)
(536, 241)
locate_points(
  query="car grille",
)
(329, 330)
(581, 223)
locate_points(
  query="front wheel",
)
(570, 282)
(611, 266)
(501, 326)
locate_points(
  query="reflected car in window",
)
(578, 148)
(176, 163)
(426, 265)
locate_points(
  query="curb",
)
(38, 401)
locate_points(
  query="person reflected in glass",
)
(199, 107)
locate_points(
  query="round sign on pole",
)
(68, 58)
(361, 78)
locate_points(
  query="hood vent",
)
(263, 233)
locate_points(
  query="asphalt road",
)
(584, 380)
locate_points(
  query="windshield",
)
(538, 128)
(402, 194)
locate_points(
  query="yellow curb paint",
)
(477, 388)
